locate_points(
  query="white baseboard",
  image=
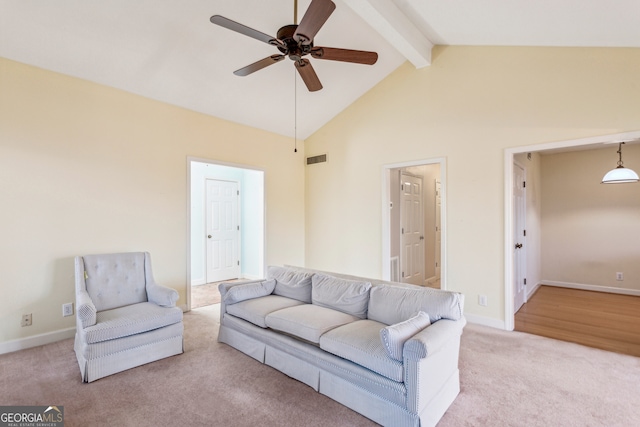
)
(198, 282)
(36, 340)
(485, 321)
(595, 288)
(533, 290)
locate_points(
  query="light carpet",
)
(507, 379)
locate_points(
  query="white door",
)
(412, 230)
(438, 248)
(519, 237)
(223, 230)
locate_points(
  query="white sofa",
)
(386, 350)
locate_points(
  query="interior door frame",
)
(509, 241)
(190, 160)
(524, 248)
(386, 217)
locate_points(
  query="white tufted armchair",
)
(124, 318)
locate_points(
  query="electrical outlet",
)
(482, 300)
(67, 309)
(619, 276)
(26, 320)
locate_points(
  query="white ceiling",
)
(168, 50)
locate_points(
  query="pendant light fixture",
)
(620, 174)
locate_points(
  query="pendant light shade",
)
(620, 174)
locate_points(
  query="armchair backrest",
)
(114, 280)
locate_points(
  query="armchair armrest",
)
(432, 338)
(85, 309)
(161, 295)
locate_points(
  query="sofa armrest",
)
(225, 286)
(85, 309)
(161, 295)
(432, 338)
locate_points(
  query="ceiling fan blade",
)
(344, 55)
(243, 29)
(313, 19)
(308, 75)
(259, 65)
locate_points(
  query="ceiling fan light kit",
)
(296, 41)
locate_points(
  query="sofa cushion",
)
(255, 310)
(291, 283)
(390, 304)
(130, 320)
(360, 343)
(248, 291)
(348, 296)
(307, 321)
(393, 337)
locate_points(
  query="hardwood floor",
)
(596, 319)
(203, 295)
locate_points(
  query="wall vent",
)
(316, 159)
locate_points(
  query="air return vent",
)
(316, 159)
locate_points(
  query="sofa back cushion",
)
(115, 280)
(390, 304)
(291, 283)
(347, 296)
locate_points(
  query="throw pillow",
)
(291, 283)
(248, 291)
(347, 296)
(393, 337)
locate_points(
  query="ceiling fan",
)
(296, 41)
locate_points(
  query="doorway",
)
(413, 223)
(533, 261)
(235, 222)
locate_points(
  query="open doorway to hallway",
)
(226, 227)
(413, 229)
(574, 224)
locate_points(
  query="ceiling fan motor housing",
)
(293, 49)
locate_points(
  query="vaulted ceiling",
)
(169, 50)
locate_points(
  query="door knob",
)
(518, 245)
(209, 236)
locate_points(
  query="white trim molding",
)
(594, 288)
(36, 340)
(485, 321)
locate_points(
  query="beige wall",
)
(89, 169)
(590, 230)
(469, 106)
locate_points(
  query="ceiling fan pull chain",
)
(295, 111)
